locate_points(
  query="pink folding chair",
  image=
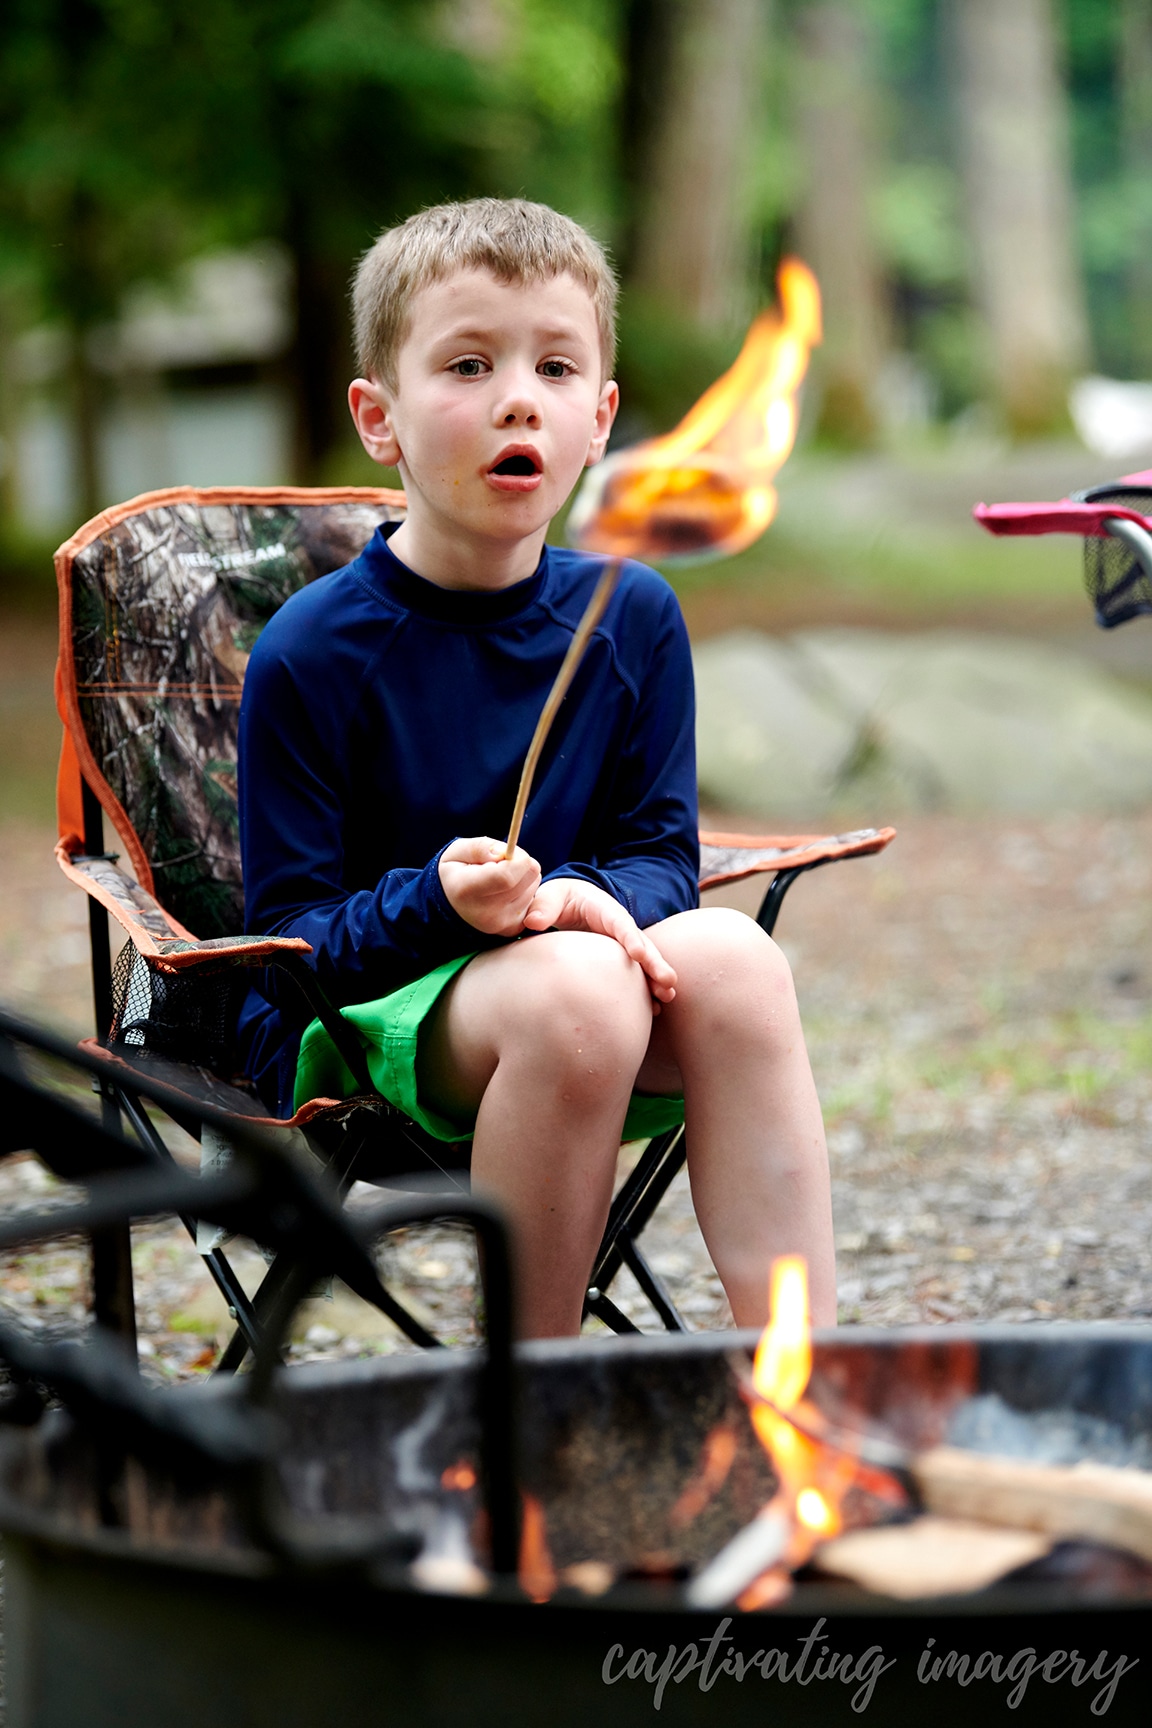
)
(1115, 521)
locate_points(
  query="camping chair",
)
(1115, 521)
(161, 601)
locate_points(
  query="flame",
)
(459, 1476)
(812, 1477)
(720, 1447)
(704, 490)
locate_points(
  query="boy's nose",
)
(519, 410)
(519, 404)
(522, 415)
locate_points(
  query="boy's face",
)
(499, 404)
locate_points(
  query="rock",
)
(834, 722)
(769, 734)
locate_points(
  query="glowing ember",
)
(537, 1573)
(458, 1477)
(704, 490)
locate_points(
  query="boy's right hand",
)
(487, 891)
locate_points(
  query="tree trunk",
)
(1014, 136)
(833, 232)
(10, 406)
(85, 297)
(692, 245)
(319, 361)
(84, 403)
(1135, 80)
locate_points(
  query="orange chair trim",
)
(732, 857)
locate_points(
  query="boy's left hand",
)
(567, 903)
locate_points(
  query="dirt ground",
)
(978, 1003)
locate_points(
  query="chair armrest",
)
(170, 948)
(154, 932)
(732, 857)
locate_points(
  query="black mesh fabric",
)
(187, 1017)
(1117, 585)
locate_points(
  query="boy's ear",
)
(605, 414)
(372, 413)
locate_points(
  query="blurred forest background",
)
(184, 190)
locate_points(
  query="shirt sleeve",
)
(647, 846)
(294, 791)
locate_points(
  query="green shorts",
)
(390, 1029)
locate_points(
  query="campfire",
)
(962, 1520)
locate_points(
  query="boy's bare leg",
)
(757, 1159)
(543, 1039)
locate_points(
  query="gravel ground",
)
(979, 1010)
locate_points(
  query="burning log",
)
(929, 1557)
(1094, 1502)
(986, 1516)
(759, 1547)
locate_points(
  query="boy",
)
(387, 709)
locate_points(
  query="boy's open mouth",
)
(517, 470)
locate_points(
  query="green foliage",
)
(665, 364)
(552, 79)
(919, 225)
(137, 133)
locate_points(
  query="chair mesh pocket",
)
(1115, 580)
(187, 1016)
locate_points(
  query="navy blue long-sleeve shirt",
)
(383, 716)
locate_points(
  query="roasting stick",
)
(593, 613)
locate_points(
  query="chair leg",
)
(220, 1269)
(639, 1195)
(113, 1297)
(250, 1312)
(606, 1310)
(341, 1165)
(652, 1285)
(113, 1292)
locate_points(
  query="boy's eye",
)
(555, 368)
(469, 367)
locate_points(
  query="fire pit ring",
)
(173, 1618)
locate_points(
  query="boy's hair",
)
(515, 240)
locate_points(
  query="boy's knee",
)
(585, 1000)
(718, 939)
(727, 966)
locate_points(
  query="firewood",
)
(1093, 1502)
(929, 1557)
(751, 1551)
